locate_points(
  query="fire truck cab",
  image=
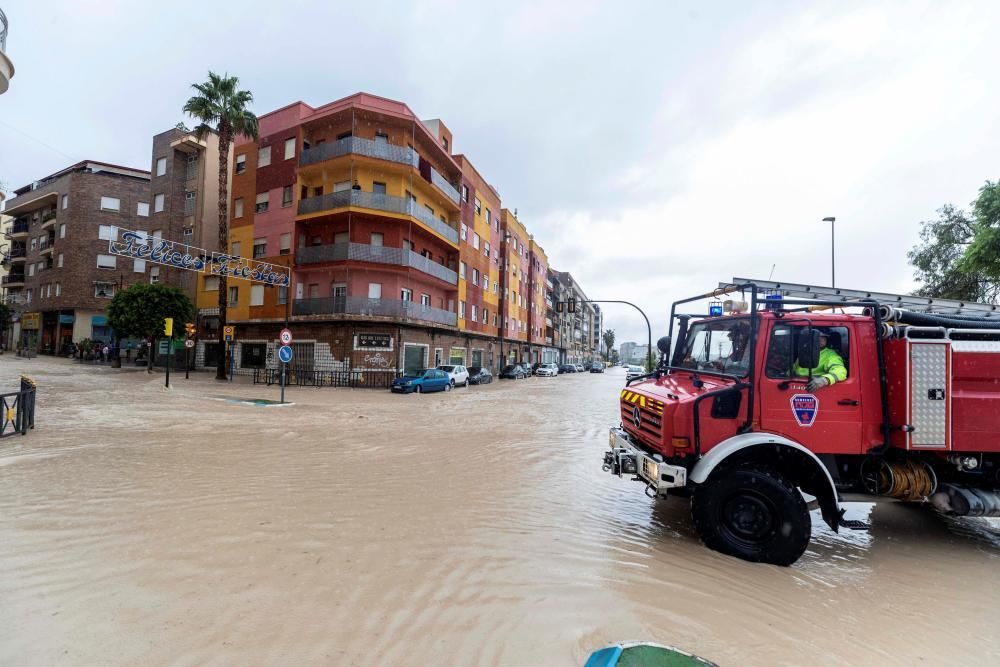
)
(727, 417)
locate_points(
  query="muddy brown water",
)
(144, 526)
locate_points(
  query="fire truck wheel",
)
(753, 513)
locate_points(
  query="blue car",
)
(425, 379)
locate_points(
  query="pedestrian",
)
(104, 352)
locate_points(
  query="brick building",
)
(60, 275)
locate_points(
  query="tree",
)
(138, 311)
(609, 341)
(958, 257)
(221, 107)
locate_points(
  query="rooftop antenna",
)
(771, 275)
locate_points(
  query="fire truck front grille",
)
(642, 416)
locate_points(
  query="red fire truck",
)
(726, 418)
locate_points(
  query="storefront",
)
(31, 324)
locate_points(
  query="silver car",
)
(459, 375)
(633, 372)
(547, 370)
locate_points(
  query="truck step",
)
(855, 524)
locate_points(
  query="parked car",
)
(634, 372)
(458, 374)
(567, 368)
(513, 372)
(423, 380)
(597, 367)
(534, 367)
(480, 375)
(579, 368)
(547, 370)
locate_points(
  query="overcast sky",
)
(652, 148)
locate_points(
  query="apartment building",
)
(574, 332)
(60, 276)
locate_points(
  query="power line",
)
(39, 141)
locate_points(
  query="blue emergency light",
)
(715, 309)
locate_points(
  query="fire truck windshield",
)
(721, 345)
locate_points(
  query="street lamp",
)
(833, 258)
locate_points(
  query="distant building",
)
(6, 66)
(626, 351)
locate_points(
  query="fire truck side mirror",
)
(808, 352)
(663, 345)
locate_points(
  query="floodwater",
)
(145, 526)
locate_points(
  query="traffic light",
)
(572, 306)
(560, 306)
(189, 330)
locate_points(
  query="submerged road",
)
(140, 525)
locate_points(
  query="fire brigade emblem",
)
(805, 407)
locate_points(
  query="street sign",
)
(168, 326)
(189, 343)
(285, 337)
(285, 354)
(229, 333)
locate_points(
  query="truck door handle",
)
(847, 401)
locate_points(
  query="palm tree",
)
(609, 341)
(221, 107)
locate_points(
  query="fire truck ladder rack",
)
(848, 297)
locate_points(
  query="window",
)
(138, 266)
(486, 315)
(234, 296)
(190, 198)
(257, 295)
(486, 248)
(494, 319)
(377, 238)
(161, 166)
(488, 216)
(241, 163)
(211, 284)
(408, 245)
(465, 233)
(381, 138)
(107, 233)
(475, 317)
(461, 310)
(264, 157)
(59, 260)
(111, 204)
(486, 283)
(31, 270)
(34, 244)
(378, 188)
(406, 294)
(289, 148)
(341, 237)
(236, 247)
(475, 277)
(782, 359)
(104, 290)
(286, 196)
(259, 247)
(313, 290)
(191, 167)
(475, 241)
(29, 293)
(142, 209)
(479, 206)
(65, 201)
(158, 203)
(262, 200)
(429, 209)
(238, 208)
(285, 244)
(465, 193)
(62, 230)
(107, 262)
(374, 290)
(154, 275)
(282, 296)
(58, 289)
(425, 300)
(341, 186)
(461, 270)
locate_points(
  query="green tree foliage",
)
(609, 342)
(220, 106)
(958, 256)
(138, 311)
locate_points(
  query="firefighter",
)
(830, 369)
(739, 338)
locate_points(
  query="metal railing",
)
(12, 279)
(444, 186)
(378, 202)
(372, 379)
(360, 146)
(353, 305)
(17, 227)
(17, 409)
(362, 252)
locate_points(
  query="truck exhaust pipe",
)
(956, 500)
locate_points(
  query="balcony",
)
(361, 252)
(13, 280)
(444, 186)
(17, 229)
(378, 202)
(48, 220)
(359, 146)
(353, 305)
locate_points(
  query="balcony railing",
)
(353, 305)
(360, 146)
(378, 202)
(17, 227)
(362, 252)
(12, 279)
(444, 186)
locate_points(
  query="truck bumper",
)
(626, 458)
